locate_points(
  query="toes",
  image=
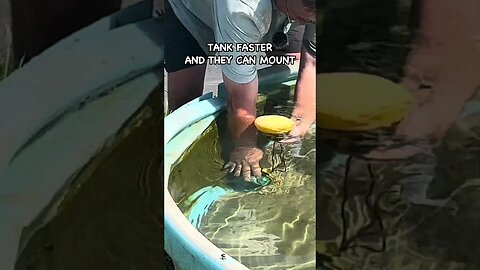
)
(238, 170)
(256, 170)
(246, 172)
(230, 166)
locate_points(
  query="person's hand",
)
(424, 126)
(429, 117)
(303, 117)
(244, 161)
(402, 150)
(417, 133)
(441, 73)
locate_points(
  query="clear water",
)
(271, 227)
(420, 213)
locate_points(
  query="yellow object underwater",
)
(274, 124)
(359, 102)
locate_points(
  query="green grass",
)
(5, 66)
(2, 71)
(5, 72)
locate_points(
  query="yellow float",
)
(359, 102)
(274, 124)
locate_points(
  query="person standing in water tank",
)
(194, 26)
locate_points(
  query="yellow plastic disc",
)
(359, 102)
(274, 124)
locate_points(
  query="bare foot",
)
(244, 161)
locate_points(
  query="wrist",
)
(305, 110)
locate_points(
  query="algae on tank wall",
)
(112, 215)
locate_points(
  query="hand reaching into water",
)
(303, 117)
(304, 112)
(442, 74)
(244, 161)
(429, 118)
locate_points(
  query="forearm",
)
(448, 48)
(445, 60)
(305, 94)
(241, 106)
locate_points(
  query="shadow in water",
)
(112, 215)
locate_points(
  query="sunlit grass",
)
(5, 69)
(7, 65)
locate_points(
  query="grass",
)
(8, 66)
(5, 66)
(2, 71)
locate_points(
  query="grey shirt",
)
(235, 21)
